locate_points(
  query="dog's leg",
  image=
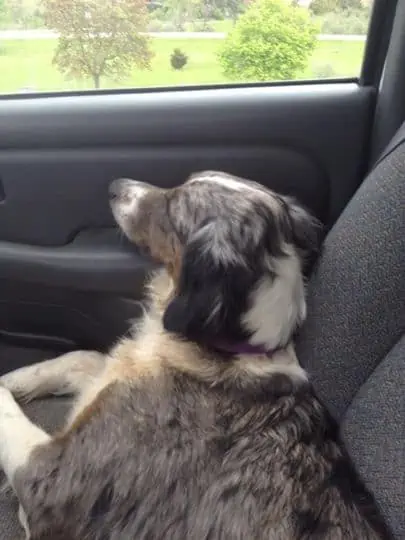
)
(18, 438)
(65, 375)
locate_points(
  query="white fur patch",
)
(277, 304)
(237, 184)
(222, 180)
(283, 362)
(18, 435)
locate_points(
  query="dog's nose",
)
(115, 188)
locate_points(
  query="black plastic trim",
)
(382, 20)
(390, 110)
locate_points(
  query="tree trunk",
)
(96, 80)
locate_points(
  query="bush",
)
(178, 59)
(320, 7)
(156, 25)
(272, 40)
(350, 21)
(201, 26)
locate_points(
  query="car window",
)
(56, 45)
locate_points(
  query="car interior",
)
(68, 280)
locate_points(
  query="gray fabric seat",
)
(353, 343)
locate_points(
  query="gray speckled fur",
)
(178, 459)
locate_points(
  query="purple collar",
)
(243, 348)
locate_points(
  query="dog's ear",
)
(213, 286)
(306, 229)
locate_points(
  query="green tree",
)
(99, 38)
(272, 40)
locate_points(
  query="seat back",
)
(353, 343)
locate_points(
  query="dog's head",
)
(234, 249)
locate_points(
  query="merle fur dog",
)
(202, 425)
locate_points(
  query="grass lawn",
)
(28, 64)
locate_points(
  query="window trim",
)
(179, 88)
(378, 39)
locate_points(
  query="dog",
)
(201, 425)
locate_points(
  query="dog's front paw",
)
(17, 383)
(4, 391)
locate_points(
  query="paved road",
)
(47, 34)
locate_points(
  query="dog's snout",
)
(114, 189)
(125, 189)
